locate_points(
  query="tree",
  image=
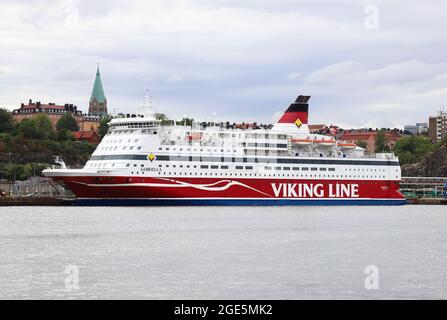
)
(161, 116)
(44, 126)
(14, 171)
(28, 128)
(67, 122)
(185, 122)
(64, 134)
(362, 144)
(6, 122)
(104, 126)
(381, 142)
(411, 149)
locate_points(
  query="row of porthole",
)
(260, 175)
(115, 148)
(119, 141)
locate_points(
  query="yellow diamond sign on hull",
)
(298, 123)
(151, 157)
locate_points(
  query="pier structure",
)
(423, 187)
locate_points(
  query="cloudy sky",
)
(365, 63)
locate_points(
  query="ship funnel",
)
(297, 111)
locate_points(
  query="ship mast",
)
(147, 109)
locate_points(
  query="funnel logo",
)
(298, 123)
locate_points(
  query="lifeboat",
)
(346, 145)
(324, 142)
(302, 141)
(194, 136)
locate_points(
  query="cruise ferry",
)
(141, 161)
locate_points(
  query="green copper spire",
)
(98, 91)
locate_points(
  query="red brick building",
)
(55, 112)
(369, 137)
(87, 136)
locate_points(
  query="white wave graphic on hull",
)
(180, 184)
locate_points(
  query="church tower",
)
(98, 101)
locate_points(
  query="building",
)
(98, 101)
(317, 128)
(88, 136)
(55, 112)
(369, 137)
(437, 126)
(418, 128)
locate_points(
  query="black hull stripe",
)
(250, 160)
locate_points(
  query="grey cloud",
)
(246, 59)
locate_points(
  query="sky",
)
(365, 63)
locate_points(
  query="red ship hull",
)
(220, 191)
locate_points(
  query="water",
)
(223, 252)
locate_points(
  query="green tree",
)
(6, 122)
(67, 122)
(104, 126)
(381, 142)
(28, 128)
(411, 149)
(185, 122)
(64, 134)
(161, 116)
(14, 171)
(362, 144)
(44, 126)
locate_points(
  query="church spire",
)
(98, 101)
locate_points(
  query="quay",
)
(34, 201)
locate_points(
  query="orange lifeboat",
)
(303, 142)
(324, 142)
(194, 136)
(346, 145)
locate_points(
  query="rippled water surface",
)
(222, 252)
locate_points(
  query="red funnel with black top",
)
(297, 110)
